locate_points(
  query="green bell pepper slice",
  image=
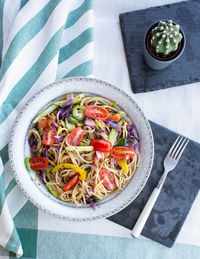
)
(78, 112)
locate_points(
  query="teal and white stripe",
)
(40, 41)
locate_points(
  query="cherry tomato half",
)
(75, 137)
(123, 152)
(115, 117)
(101, 145)
(108, 179)
(38, 163)
(96, 112)
(72, 183)
(48, 136)
(44, 123)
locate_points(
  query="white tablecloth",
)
(176, 108)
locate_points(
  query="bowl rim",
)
(28, 103)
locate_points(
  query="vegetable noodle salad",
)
(83, 148)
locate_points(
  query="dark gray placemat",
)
(183, 71)
(176, 197)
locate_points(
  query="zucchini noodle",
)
(61, 152)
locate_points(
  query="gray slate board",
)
(177, 196)
(183, 71)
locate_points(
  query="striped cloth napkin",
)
(40, 41)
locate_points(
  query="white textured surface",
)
(175, 108)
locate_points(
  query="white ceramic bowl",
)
(30, 185)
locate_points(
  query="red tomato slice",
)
(75, 137)
(101, 145)
(38, 163)
(48, 136)
(96, 112)
(44, 123)
(72, 183)
(108, 179)
(115, 117)
(123, 152)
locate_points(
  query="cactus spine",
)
(166, 37)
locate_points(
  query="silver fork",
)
(170, 163)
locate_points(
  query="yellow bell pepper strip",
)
(123, 164)
(114, 104)
(73, 167)
(59, 131)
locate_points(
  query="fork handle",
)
(145, 213)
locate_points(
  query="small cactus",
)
(166, 37)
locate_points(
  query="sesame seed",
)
(167, 46)
(159, 42)
(157, 34)
(167, 40)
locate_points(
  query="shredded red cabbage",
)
(60, 138)
(93, 166)
(68, 101)
(68, 114)
(65, 111)
(114, 125)
(131, 132)
(57, 149)
(99, 131)
(54, 124)
(130, 143)
(45, 152)
(89, 122)
(91, 201)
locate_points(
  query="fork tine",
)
(181, 151)
(173, 146)
(176, 146)
(178, 149)
(180, 143)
